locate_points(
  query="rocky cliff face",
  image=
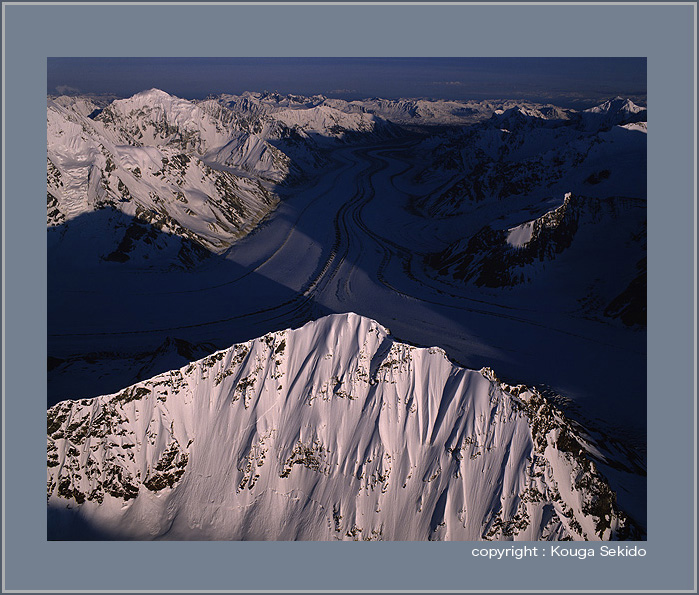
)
(497, 257)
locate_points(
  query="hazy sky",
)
(560, 80)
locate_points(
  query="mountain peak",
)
(613, 112)
(154, 93)
(393, 441)
(155, 99)
(517, 117)
(617, 105)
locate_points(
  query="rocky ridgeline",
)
(497, 257)
(488, 259)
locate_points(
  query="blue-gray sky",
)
(559, 80)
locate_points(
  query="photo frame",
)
(32, 33)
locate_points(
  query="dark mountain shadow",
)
(318, 148)
(69, 524)
(110, 321)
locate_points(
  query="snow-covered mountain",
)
(144, 158)
(333, 431)
(525, 151)
(614, 112)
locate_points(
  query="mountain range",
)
(221, 277)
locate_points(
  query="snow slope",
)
(334, 431)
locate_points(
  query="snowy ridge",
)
(326, 120)
(331, 431)
(408, 111)
(616, 105)
(497, 257)
(520, 235)
(519, 116)
(559, 242)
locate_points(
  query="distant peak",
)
(618, 104)
(151, 96)
(516, 116)
(154, 98)
(153, 93)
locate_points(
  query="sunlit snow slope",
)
(331, 431)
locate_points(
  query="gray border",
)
(31, 33)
